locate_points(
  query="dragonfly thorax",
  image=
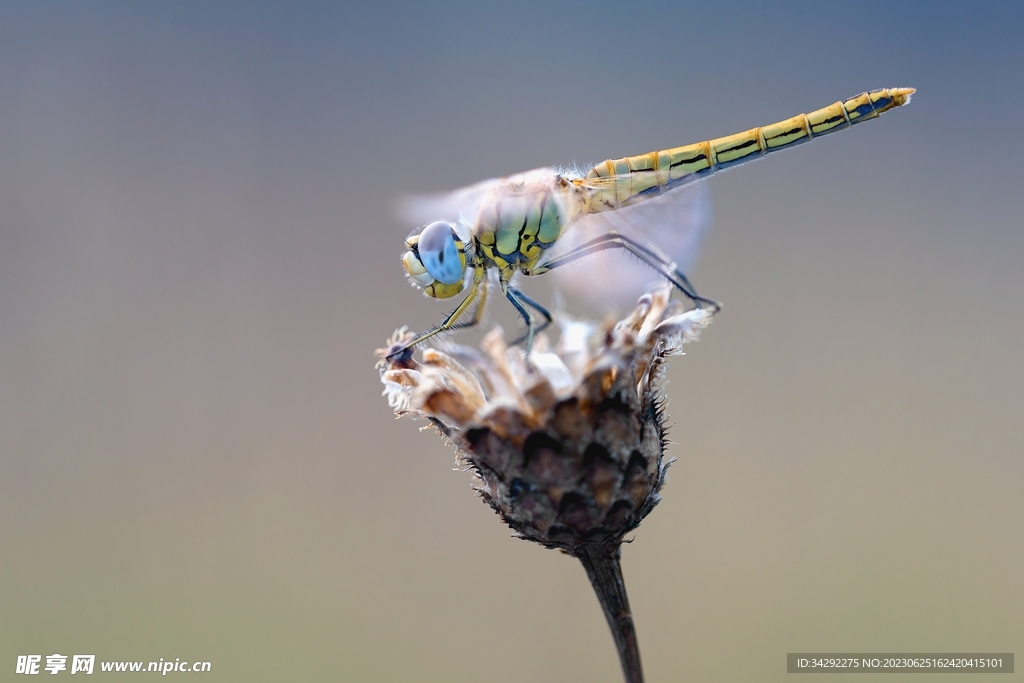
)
(517, 222)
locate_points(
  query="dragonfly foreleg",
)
(521, 302)
(451, 321)
(648, 256)
(478, 312)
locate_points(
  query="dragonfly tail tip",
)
(902, 95)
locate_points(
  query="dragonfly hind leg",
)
(520, 301)
(656, 261)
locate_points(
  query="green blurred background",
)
(198, 255)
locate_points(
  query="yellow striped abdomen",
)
(620, 182)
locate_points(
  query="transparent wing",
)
(460, 207)
(445, 206)
(674, 224)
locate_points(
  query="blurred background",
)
(199, 254)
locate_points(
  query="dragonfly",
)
(541, 220)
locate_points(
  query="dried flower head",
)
(567, 444)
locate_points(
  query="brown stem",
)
(605, 573)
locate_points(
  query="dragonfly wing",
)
(673, 224)
(460, 207)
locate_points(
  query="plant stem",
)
(605, 573)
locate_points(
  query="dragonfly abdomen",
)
(621, 182)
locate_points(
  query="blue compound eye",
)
(441, 253)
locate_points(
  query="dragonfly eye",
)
(442, 253)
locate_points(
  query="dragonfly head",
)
(436, 260)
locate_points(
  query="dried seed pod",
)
(567, 458)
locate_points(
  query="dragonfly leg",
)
(521, 301)
(478, 312)
(451, 321)
(656, 261)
